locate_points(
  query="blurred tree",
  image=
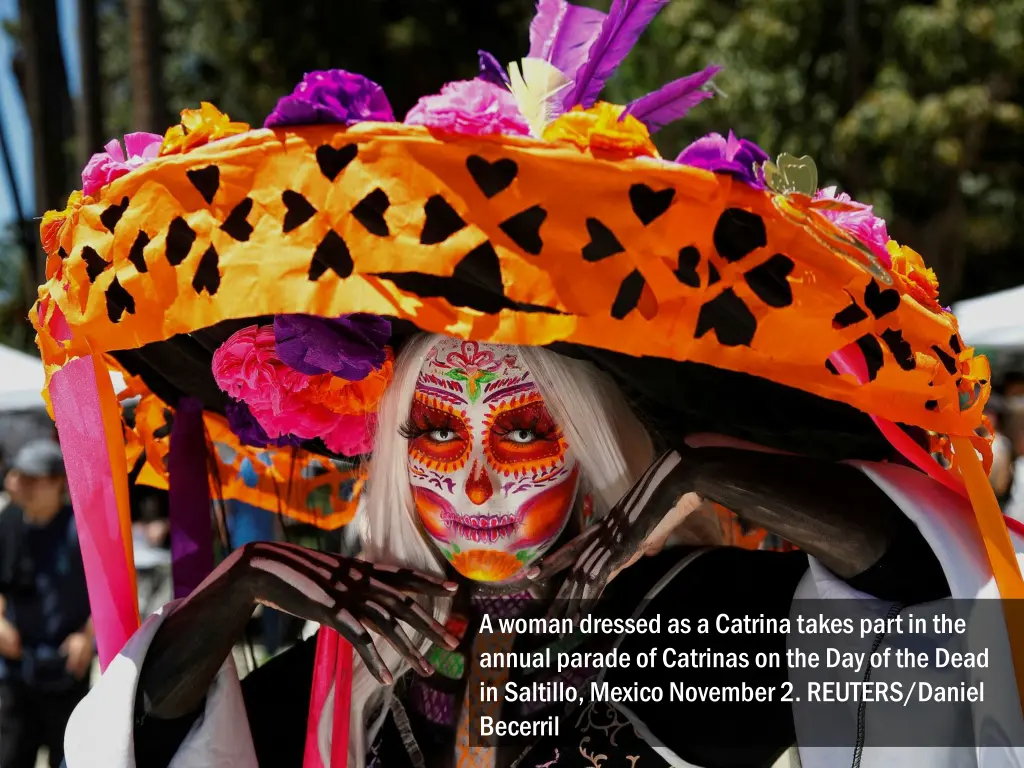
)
(912, 106)
(90, 124)
(146, 52)
(39, 68)
(243, 55)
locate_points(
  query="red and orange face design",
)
(492, 476)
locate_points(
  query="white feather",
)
(535, 87)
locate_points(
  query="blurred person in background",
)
(1003, 453)
(1014, 431)
(46, 637)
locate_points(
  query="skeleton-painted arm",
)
(350, 596)
(831, 511)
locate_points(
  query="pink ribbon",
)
(75, 394)
(333, 665)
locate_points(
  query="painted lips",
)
(481, 528)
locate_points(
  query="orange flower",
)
(199, 127)
(601, 130)
(486, 564)
(922, 283)
(354, 397)
(55, 225)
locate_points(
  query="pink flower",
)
(860, 222)
(286, 402)
(471, 107)
(104, 167)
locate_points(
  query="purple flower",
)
(332, 96)
(350, 347)
(470, 107)
(248, 430)
(739, 157)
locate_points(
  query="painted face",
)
(492, 476)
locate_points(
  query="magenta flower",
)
(104, 167)
(860, 222)
(332, 96)
(471, 107)
(739, 157)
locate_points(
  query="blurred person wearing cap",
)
(46, 638)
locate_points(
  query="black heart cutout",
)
(332, 254)
(768, 281)
(206, 181)
(207, 273)
(947, 360)
(647, 204)
(729, 317)
(119, 301)
(603, 242)
(900, 348)
(370, 213)
(113, 214)
(881, 302)
(94, 263)
(872, 350)
(491, 178)
(180, 237)
(333, 161)
(298, 210)
(850, 315)
(686, 271)
(137, 254)
(630, 290)
(442, 221)
(236, 225)
(524, 229)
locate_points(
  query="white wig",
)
(611, 445)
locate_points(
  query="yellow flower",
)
(199, 127)
(601, 130)
(921, 281)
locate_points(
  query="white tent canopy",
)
(994, 321)
(22, 379)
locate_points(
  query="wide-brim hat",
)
(721, 290)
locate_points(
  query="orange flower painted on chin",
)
(486, 564)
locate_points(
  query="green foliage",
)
(243, 55)
(915, 107)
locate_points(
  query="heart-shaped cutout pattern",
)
(491, 178)
(648, 204)
(333, 161)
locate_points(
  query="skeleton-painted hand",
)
(351, 596)
(644, 514)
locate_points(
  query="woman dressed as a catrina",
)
(550, 380)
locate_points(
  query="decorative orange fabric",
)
(300, 485)
(633, 256)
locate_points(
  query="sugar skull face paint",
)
(492, 476)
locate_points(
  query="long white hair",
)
(610, 443)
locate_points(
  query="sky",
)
(12, 107)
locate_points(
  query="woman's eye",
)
(521, 436)
(442, 435)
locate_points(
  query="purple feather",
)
(562, 34)
(626, 21)
(491, 70)
(671, 102)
